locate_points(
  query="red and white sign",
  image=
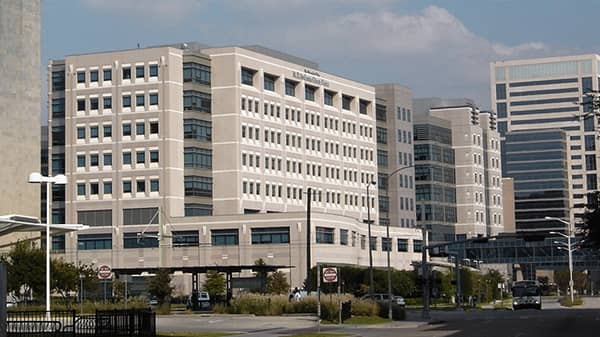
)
(330, 275)
(104, 272)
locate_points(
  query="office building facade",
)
(233, 138)
(395, 162)
(546, 93)
(477, 164)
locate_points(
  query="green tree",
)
(64, 277)
(591, 222)
(261, 275)
(26, 266)
(561, 277)
(160, 286)
(118, 287)
(91, 283)
(214, 284)
(277, 283)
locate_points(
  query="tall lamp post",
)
(60, 179)
(370, 248)
(568, 247)
(389, 267)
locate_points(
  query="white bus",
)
(527, 294)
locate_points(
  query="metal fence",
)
(118, 323)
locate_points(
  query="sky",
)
(438, 48)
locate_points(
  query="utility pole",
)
(308, 225)
(370, 248)
(425, 272)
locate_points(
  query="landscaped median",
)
(566, 301)
(275, 305)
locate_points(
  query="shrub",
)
(364, 308)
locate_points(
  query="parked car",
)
(153, 301)
(203, 301)
(384, 298)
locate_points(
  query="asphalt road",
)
(552, 321)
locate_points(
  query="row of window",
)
(249, 77)
(142, 157)
(140, 185)
(326, 235)
(142, 128)
(93, 103)
(405, 159)
(93, 75)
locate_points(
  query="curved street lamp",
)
(568, 247)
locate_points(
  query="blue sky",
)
(438, 48)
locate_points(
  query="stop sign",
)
(330, 275)
(104, 272)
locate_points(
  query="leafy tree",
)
(214, 284)
(561, 277)
(91, 283)
(26, 265)
(64, 277)
(277, 283)
(160, 286)
(590, 228)
(118, 287)
(261, 275)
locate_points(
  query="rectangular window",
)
(373, 243)
(590, 143)
(80, 160)
(126, 158)
(139, 71)
(107, 130)
(199, 158)
(138, 240)
(100, 217)
(94, 241)
(127, 186)
(382, 158)
(154, 156)
(196, 72)
(107, 102)
(501, 109)
(107, 187)
(153, 70)
(198, 186)
(328, 98)
(248, 76)
(127, 101)
(154, 185)
(140, 128)
(153, 99)
(225, 237)
(107, 75)
(417, 246)
(81, 132)
(402, 245)
(501, 91)
(194, 100)
(81, 189)
(269, 82)
(94, 76)
(271, 235)
(139, 100)
(140, 157)
(94, 103)
(94, 190)
(324, 235)
(343, 237)
(186, 238)
(363, 106)
(153, 128)
(81, 104)
(382, 135)
(386, 244)
(140, 186)
(81, 77)
(58, 107)
(127, 73)
(290, 87)
(309, 93)
(94, 159)
(126, 129)
(346, 102)
(58, 80)
(140, 216)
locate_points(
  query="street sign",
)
(104, 272)
(330, 275)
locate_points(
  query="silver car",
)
(384, 298)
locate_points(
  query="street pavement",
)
(552, 321)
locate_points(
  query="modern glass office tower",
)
(546, 93)
(476, 145)
(435, 177)
(538, 162)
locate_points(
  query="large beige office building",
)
(20, 95)
(213, 150)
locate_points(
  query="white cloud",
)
(166, 11)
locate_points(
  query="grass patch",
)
(319, 335)
(194, 334)
(366, 320)
(566, 301)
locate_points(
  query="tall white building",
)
(544, 93)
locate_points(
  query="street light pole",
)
(569, 249)
(370, 248)
(60, 179)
